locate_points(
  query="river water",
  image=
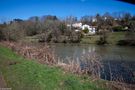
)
(120, 59)
(107, 52)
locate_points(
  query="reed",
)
(89, 64)
(43, 54)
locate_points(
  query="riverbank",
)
(20, 74)
(113, 38)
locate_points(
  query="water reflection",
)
(120, 60)
(107, 52)
(121, 71)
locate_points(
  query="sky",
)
(10, 9)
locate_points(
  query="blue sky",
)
(61, 8)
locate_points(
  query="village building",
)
(79, 26)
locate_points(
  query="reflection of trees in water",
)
(115, 66)
(120, 71)
(118, 58)
(88, 50)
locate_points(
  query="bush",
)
(118, 28)
(2, 37)
(102, 40)
(126, 42)
(86, 30)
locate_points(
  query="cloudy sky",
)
(61, 8)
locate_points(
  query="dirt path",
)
(2, 81)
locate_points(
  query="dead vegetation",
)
(113, 85)
(43, 54)
(89, 63)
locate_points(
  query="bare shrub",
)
(72, 66)
(89, 63)
(43, 54)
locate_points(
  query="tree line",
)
(53, 29)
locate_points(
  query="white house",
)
(75, 25)
(79, 26)
(69, 25)
(77, 30)
(92, 29)
(94, 20)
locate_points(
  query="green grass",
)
(90, 39)
(22, 74)
(112, 38)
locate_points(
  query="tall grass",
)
(89, 64)
(43, 54)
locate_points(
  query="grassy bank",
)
(90, 39)
(22, 74)
(112, 38)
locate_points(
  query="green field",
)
(112, 38)
(22, 74)
(90, 39)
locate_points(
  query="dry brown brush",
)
(89, 64)
(42, 53)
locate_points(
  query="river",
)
(120, 59)
(107, 52)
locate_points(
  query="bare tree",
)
(14, 31)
